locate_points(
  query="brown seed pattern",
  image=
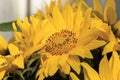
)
(61, 42)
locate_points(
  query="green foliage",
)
(7, 26)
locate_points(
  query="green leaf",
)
(27, 72)
(6, 26)
(32, 61)
(19, 73)
(6, 78)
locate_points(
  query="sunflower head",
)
(61, 42)
(70, 38)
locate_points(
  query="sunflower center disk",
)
(61, 42)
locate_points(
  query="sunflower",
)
(108, 16)
(12, 62)
(113, 43)
(31, 36)
(104, 31)
(70, 39)
(108, 70)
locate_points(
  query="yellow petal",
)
(97, 23)
(118, 78)
(44, 30)
(115, 64)
(36, 23)
(3, 43)
(13, 49)
(83, 6)
(18, 58)
(97, 6)
(39, 14)
(110, 11)
(88, 54)
(87, 35)
(77, 51)
(78, 21)
(117, 47)
(73, 76)
(40, 71)
(95, 44)
(46, 69)
(86, 77)
(31, 50)
(2, 74)
(14, 26)
(18, 35)
(36, 36)
(68, 18)
(104, 69)
(82, 52)
(88, 13)
(49, 7)
(60, 4)
(24, 26)
(90, 73)
(74, 62)
(108, 48)
(111, 36)
(3, 62)
(117, 25)
(41, 77)
(53, 65)
(19, 61)
(66, 68)
(63, 59)
(58, 20)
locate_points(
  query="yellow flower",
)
(6, 65)
(105, 33)
(32, 35)
(110, 38)
(69, 40)
(105, 30)
(12, 62)
(109, 15)
(108, 70)
(18, 56)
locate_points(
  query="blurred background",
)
(10, 10)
